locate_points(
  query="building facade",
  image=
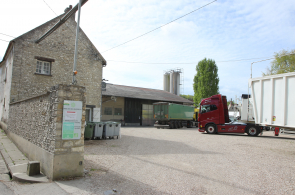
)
(29, 69)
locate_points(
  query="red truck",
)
(214, 118)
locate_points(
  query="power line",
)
(157, 62)
(49, 7)
(4, 40)
(71, 30)
(184, 62)
(160, 26)
(7, 35)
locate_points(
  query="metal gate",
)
(147, 115)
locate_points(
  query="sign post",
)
(72, 117)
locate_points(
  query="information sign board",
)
(72, 117)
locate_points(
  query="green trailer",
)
(169, 115)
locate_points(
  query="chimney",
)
(67, 10)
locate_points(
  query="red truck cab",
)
(214, 118)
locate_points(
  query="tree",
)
(189, 97)
(283, 63)
(206, 80)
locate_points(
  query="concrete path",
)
(4, 172)
(16, 162)
(13, 161)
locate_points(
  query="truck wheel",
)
(252, 131)
(188, 124)
(173, 125)
(178, 125)
(211, 129)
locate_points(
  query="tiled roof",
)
(142, 93)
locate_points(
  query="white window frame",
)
(43, 67)
(90, 114)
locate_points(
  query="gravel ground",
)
(185, 161)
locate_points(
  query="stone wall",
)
(35, 126)
(58, 47)
(33, 119)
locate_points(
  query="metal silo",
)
(166, 82)
(171, 82)
(178, 83)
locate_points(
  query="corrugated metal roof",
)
(142, 93)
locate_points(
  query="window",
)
(213, 107)
(43, 67)
(118, 111)
(208, 108)
(108, 111)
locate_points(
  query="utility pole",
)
(76, 44)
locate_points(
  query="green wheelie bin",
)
(89, 130)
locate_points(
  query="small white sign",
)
(72, 118)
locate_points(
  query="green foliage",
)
(206, 80)
(282, 63)
(189, 97)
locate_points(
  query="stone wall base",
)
(68, 165)
(34, 153)
(3, 126)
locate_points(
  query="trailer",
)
(273, 106)
(274, 101)
(173, 116)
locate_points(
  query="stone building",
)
(32, 65)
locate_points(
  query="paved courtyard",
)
(185, 161)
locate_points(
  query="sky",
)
(233, 33)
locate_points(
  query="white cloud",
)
(224, 30)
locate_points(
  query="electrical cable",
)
(4, 40)
(72, 31)
(153, 62)
(185, 62)
(159, 27)
(7, 35)
(49, 7)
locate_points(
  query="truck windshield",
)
(208, 108)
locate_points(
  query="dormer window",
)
(43, 65)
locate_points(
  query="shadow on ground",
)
(144, 146)
(99, 180)
(255, 137)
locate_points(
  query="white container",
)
(274, 100)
